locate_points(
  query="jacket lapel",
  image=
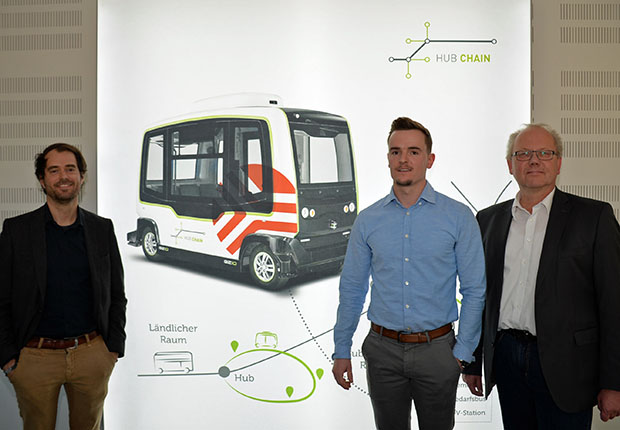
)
(36, 230)
(91, 239)
(558, 218)
(499, 236)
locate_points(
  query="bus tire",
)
(150, 244)
(264, 268)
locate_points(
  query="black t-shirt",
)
(68, 302)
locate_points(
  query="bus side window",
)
(196, 168)
(154, 163)
(246, 173)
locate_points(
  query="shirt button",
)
(406, 259)
(407, 213)
(407, 306)
(408, 328)
(420, 204)
(406, 282)
(406, 236)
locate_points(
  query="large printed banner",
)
(237, 142)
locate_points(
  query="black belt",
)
(522, 335)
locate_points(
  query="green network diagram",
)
(427, 41)
(249, 372)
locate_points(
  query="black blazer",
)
(23, 268)
(577, 298)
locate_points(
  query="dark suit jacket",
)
(577, 298)
(23, 269)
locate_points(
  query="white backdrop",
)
(157, 57)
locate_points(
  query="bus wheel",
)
(150, 246)
(264, 268)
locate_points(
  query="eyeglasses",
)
(543, 155)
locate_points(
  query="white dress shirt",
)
(523, 249)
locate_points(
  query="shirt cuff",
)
(461, 353)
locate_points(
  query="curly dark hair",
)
(40, 161)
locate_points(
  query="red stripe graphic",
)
(254, 226)
(230, 225)
(281, 185)
(289, 208)
(216, 220)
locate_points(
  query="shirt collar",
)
(428, 194)
(546, 203)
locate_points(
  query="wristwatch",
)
(464, 364)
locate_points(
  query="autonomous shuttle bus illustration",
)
(255, 188)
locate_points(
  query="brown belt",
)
(72, 342)
(423, 336)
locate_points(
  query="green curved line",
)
(275, 401)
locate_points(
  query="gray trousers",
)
(398, 373)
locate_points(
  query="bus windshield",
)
(323, 153)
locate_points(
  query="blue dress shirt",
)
(414, 256)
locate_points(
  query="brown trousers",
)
(84, 371)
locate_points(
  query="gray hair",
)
(556, 138)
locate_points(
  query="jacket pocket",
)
(586, 336)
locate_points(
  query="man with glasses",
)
(552, 319)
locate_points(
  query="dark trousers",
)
(398, 373)
(524, 397)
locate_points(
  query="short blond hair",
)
(559, 147)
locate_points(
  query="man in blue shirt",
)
(413, 243)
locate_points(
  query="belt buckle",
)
(75, 344)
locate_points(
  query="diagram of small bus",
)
(173, 361)
(255, 188)
(266, 339)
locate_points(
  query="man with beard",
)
(62, 299)
(414, 243)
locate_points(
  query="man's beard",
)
(62, 198)
(403, 183)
